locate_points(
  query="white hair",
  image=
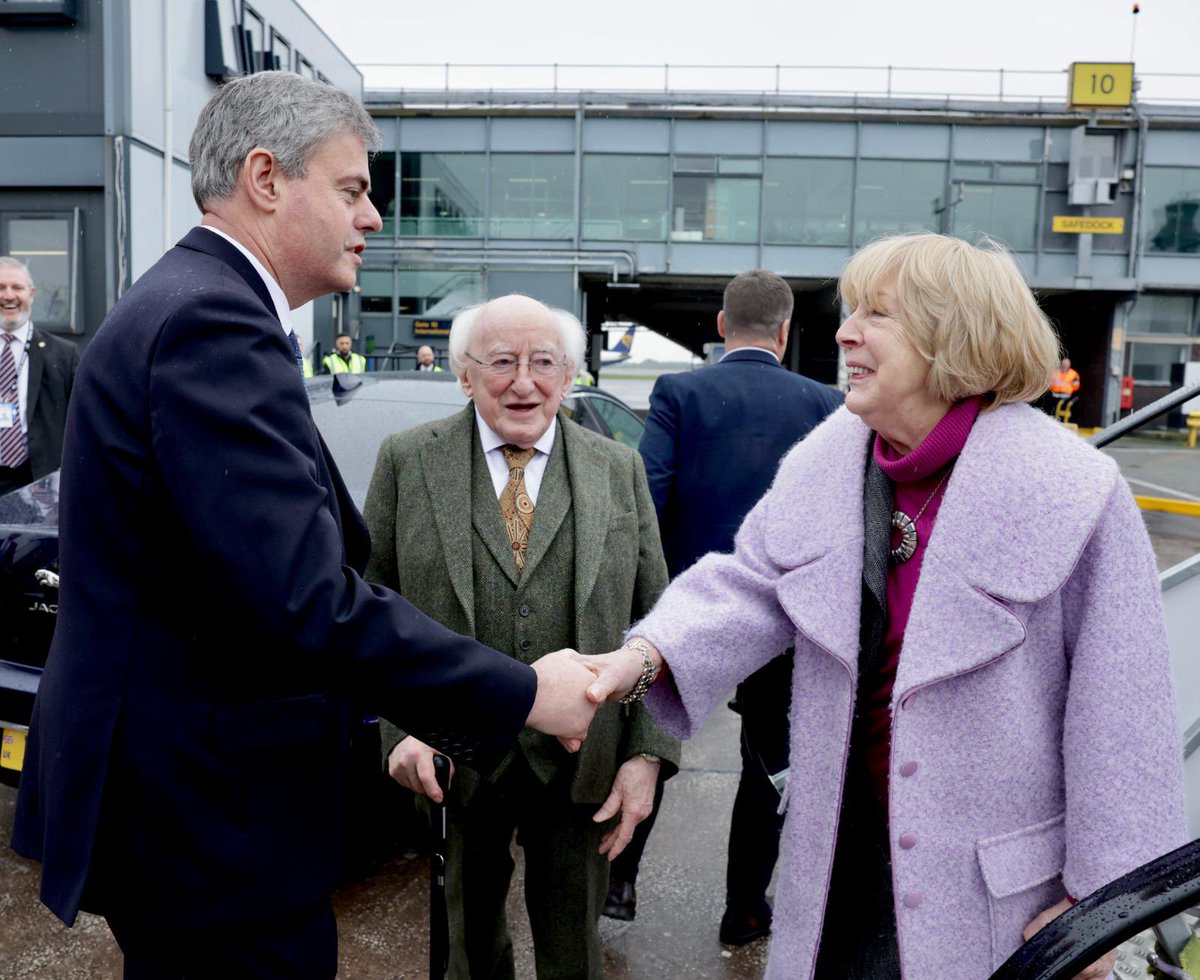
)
(8, 262)
(574, 337)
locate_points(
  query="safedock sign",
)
(1073, 224)
(1101, 84)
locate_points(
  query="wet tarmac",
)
(382, 920)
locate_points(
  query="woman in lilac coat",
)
(972, 597)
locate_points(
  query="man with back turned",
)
(187, 754)
(713, 441)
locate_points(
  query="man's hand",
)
(561, 706)
(410, 763)
(1098, 970)
(633, 797)
(617, 673)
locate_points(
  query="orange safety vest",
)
(1065, 382)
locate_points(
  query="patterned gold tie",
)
(515, 506)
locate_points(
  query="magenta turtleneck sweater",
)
(914, 478)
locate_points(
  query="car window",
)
(354, 430)
(626, 427)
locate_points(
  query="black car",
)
(354, 413)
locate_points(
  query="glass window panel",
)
(696, 165)
(441, 194)
(807, 201)
(439, 292)
(897, 196)
(383, 190)
(256, 39)
(1154, 313)
(972, 171)
(376, 291)
(1172, 204)
(1005, 212)
(1152, 362)
(281, 53)
(1025, 172)
(44, 244)
(626, 428)
(625, 197)
(715, 209)
(533, 195)
(739, 165)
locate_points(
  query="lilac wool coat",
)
(1017, 772)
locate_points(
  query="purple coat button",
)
(908, 840)
(908, 768)
(912, 900)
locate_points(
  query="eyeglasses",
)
(505, 365)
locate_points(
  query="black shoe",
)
(622, 901)
(737, 929)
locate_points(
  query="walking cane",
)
(439, 924)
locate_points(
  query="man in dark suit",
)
(37, 371)
(545, 537)
(187, 754)
(713, 441)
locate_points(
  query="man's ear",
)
(260, 178)
(783, 336)
(465, 383)
(721, 324)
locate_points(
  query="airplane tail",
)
(625, 344)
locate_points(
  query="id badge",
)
(8, 415)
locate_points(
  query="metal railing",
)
(866, 81)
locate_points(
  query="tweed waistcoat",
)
(535, 614)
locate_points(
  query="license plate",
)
(12, 749)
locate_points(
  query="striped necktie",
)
(12, 440)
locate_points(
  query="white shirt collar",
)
(282, 310)
(489, 440)
(23, 333)
(763, 349)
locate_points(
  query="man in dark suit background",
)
(186, 761)
(713, 441)
(37, 371)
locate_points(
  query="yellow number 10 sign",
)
(1101, 84)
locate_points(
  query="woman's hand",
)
(617, 673)
(1098, 970)
(410, 763)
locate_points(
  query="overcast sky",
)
(1010, 34)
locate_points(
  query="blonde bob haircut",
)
(965, 309)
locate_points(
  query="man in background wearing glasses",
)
(546, 538)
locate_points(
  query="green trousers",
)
(566, 879)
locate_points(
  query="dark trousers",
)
(566, 879)
(754, 830)
(625, 866)
(299, 946)
(14, 477)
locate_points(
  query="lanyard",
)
(24, 357)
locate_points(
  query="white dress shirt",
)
(20, 340)
(763, 349)
(535, 469)
(282, 310)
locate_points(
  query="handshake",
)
(571, 687)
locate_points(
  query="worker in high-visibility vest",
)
(425, 360)
(342, 360)
(1064, 389)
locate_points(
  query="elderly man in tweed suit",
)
(545, 538)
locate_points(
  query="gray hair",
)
(574, 337)
(278, 111)
(756, 303)
(8, 262)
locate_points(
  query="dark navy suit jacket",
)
(713, 441)
(188, 750)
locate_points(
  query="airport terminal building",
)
(632, 204)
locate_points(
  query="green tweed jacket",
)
(425, 540)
